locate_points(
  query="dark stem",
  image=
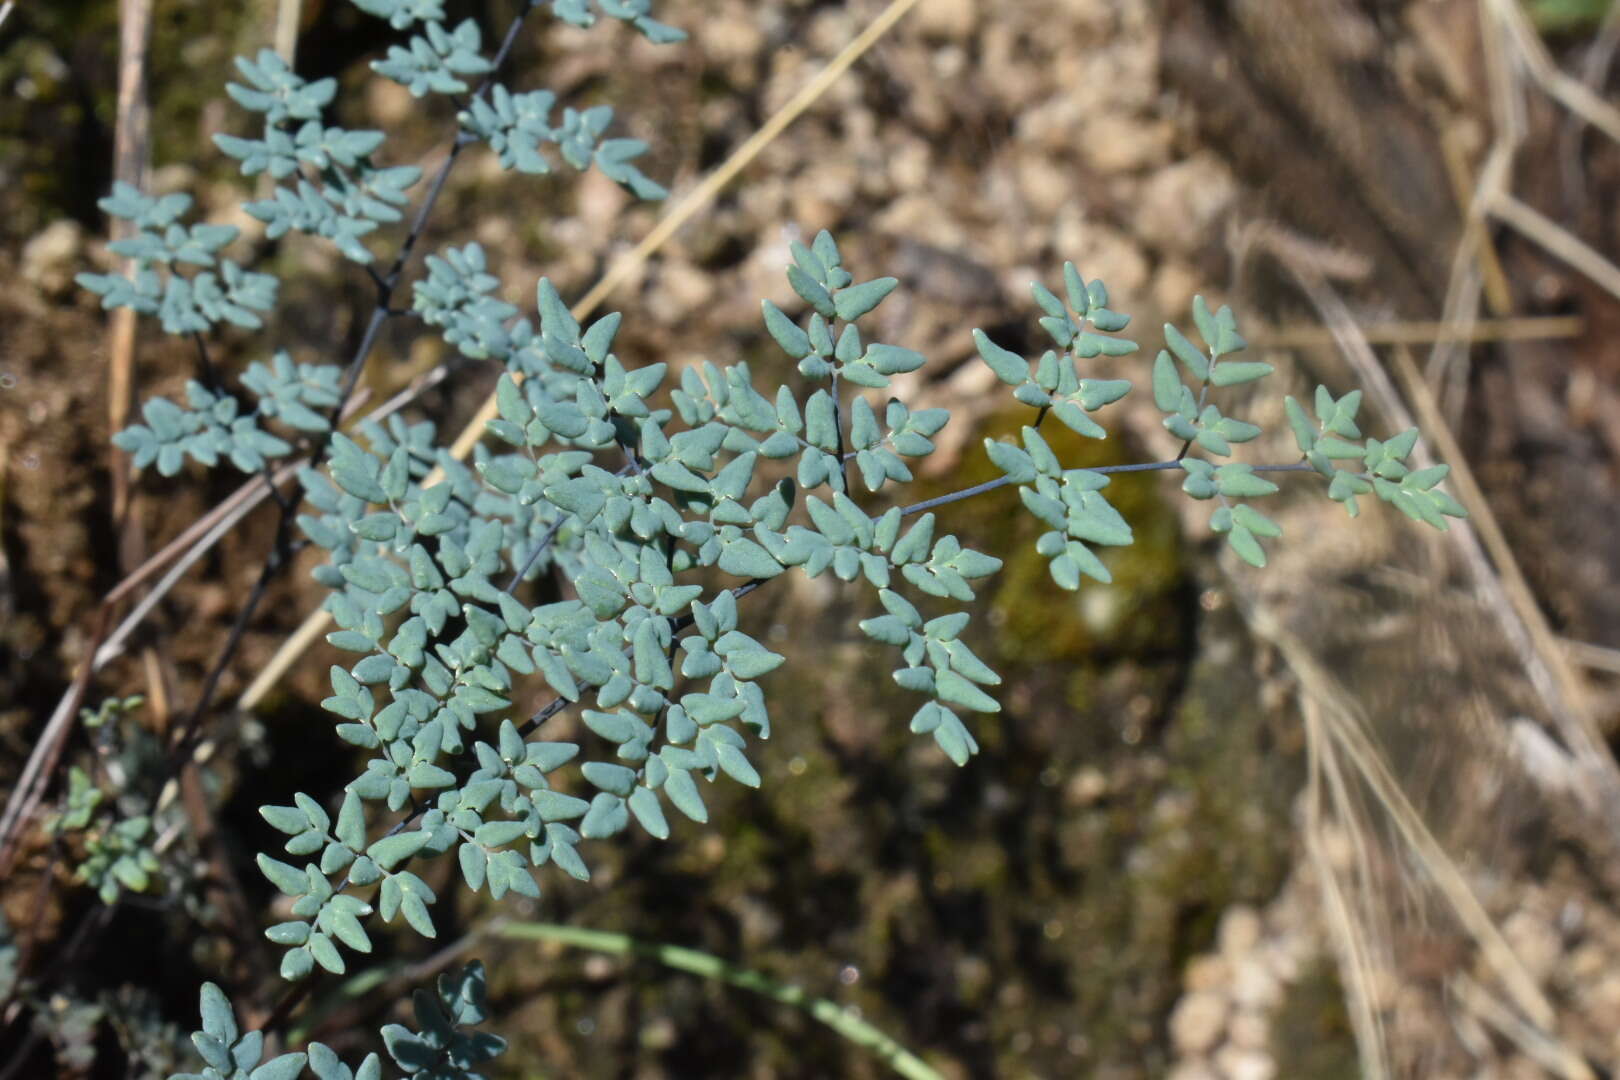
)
(838, 426)
(280, 553)
(1003, 481)
(205, 364)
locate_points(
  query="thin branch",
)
(280, 555)
(205, 364)
(838, 429)
(539, 549)
(1003, 481)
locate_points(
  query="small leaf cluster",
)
(1331, 439)
(161, 246)
(441, 1048)
(1193, 417)
(229, 1054)
(831, 344)
(1069, 501)
(435, 61)
(1082, 329)
(114, 847)
(340, 193)
(638, 13)
(110, 711)
(213, 427)
(118, 852)
(517, 125)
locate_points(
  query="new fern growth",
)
(657, 499)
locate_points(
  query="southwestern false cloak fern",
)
(654, 500)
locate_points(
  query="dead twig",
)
(1427, 332)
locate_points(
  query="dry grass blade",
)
(1343, 723)
(1550, 664)
(1499, 578)
(1526, 328)
(1567, 90)
(130, 145)
(1476, 240)
(1548, 1053)
(1596, 657)
(1473, 260)
(1350, 931)
(1556, 240)
(1515, 607)
(688, 207)
(235, 512)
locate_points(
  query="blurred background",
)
(1354, 814)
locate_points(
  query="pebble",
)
(1045, 185)
(1253, 986)
(1207, 972)
(1114, 143)
(1236, 1063)
(1535, 941)
(1198, 1021)
(1193, 1070)
(680, 289)
(1249, 1030)
(1239, 931)
(1180, 204)
(51, 257)
(951, 19)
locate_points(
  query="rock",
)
(1253, 986)
(1279, 960)
(52, 256)
(1207, 972)
(1181, 204)
(1236, 1063)
(1249, 1030)
(950, 19)
(1197, 1022)
(680, 291)
(1174, 285)
(919, 217)
(1603, 1002)
(1085, 788)
(1044, 185)
(1193, 1070)
(822, 196)
(600, 201)
(1239, 931)
(910, 165)
(1535, 941)
(174, 177)
(733, 39)
(1587, 961)
(1102, 251)
(388, 104)
(1114, 143)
